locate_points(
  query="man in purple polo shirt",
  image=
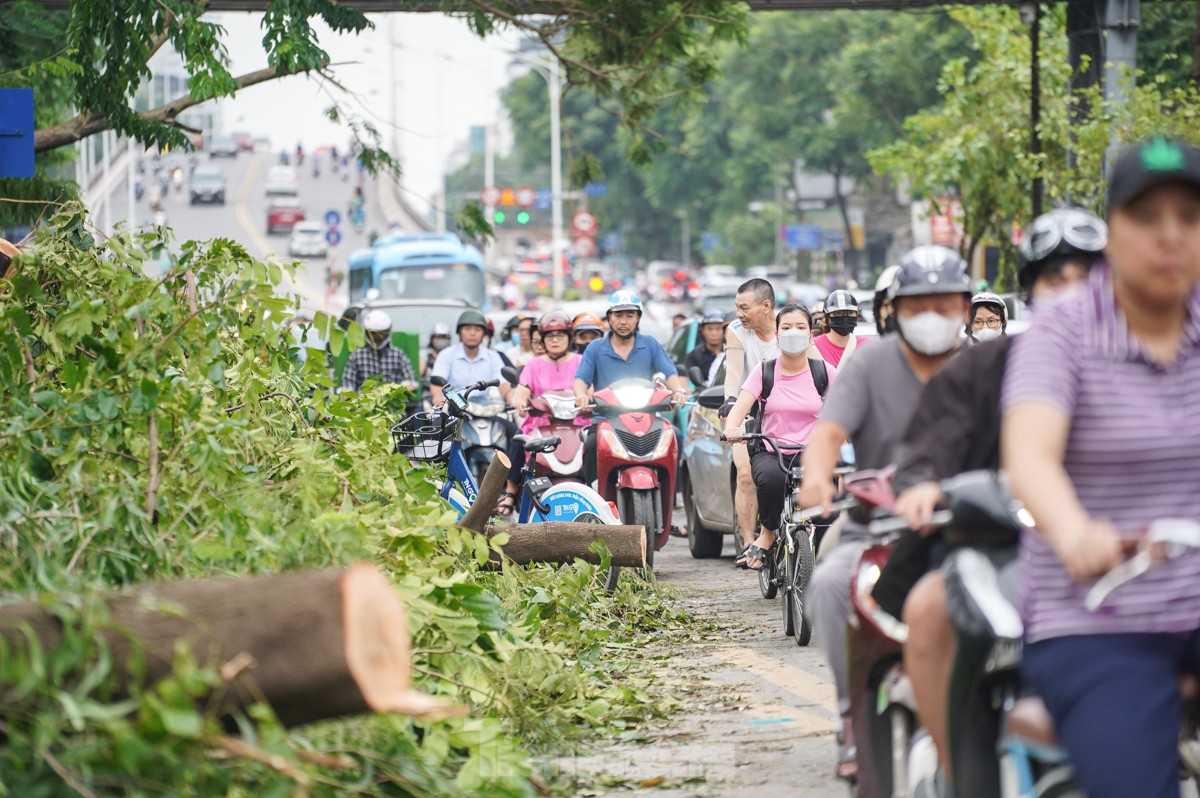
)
(1101, 437)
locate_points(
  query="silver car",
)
(708, 479)
(308, 241)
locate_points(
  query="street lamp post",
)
(554, 86)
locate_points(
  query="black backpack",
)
(820, 378)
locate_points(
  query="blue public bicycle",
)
(436, 437)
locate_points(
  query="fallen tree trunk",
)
(314, 645)
(562, 542)
(490, 491)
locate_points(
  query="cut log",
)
(490, 491)
(561, 542)
(314, 645)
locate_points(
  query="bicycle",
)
(436, 437)
(790, 564)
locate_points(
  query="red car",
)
(282, 215)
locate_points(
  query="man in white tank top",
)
(748, 341)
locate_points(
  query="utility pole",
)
(1121, 21)
(685, 240)
(556, 189)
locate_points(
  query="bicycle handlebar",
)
(777, 445)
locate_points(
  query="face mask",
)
(987, 334)
(843, 325)
(793, 342)
(438, 344)
(930, 333)
(378, 340)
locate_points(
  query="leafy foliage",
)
(146, 440)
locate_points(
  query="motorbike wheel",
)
(883, 731)
(798, 580)
(703, 543)
(977, 770)
(638, 509)
(768, 577)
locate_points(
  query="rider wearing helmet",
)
(520, 336)
(841, 315)
(710, 347)
(587, 327)
(439, 339)
(378, 360)
(623, 353)
(469, 361)
(870, 404)
(989, 317)
(884, 321)
(956, 428)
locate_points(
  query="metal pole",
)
(556, 178)
(1121, 20)
(1035, 106)
(778, 220)
(392, 47)
(106, 164)
(489, 179)
(684, 239)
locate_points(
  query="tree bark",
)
(314, 645)
(564, 542)
(484, 506)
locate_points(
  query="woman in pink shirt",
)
(788, 415)
(552, 371)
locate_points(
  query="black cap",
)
(1149, 164)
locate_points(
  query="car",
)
(282, 180)
(223, 147)
(282, 215)
(262, 144)
(207, 185)
(708, 479)
(244, 141)
(308, 240)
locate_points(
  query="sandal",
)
(753, 552)
(847, 765)
(507, 504)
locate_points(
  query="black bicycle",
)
(790, 563)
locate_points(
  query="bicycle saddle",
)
(532, 444)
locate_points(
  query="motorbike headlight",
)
(614, 443)
(664, 443)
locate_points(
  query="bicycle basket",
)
(426, 437)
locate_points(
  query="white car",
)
(282, 180)
(308, 241)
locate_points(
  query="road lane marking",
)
(796, 681)
(248, 183)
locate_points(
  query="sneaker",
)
(922, 766)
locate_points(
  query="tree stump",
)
(314, 645)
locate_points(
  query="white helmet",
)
(886, 278)
(378, 327)
(624, 300)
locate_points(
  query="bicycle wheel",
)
(768, 584)
(613, 574)
(789, 557)
(798, 580)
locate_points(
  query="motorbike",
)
(637, 457)
(177, 179)
(564, 464)
(882, 705)
(484, 434)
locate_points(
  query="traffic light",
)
(523, 217)
(498, 217)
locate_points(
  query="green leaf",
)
(181, 721)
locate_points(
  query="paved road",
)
(760, 715)
(244, 218)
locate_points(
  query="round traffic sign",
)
(490, 195)
(526, 196)
(333, 237)
(584, 247)
(332, 218)
(583, 223)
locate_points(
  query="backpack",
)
(820, 378)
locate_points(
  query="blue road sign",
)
(16, 132)
(596, 189)
(833, 239)
(332, 218)
(802, 236)
(333, 237)
(545, 198)
(709, 242)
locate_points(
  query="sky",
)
(447, 79)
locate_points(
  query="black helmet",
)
(1066, 233)
(840, 299)
(471, 317)
(931, 270)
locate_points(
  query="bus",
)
(419, 266)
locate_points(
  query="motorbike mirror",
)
(372, 294)
(511, 374)
(712, 398)
(659, 378)
(872, 487)
(695, 376)
(979, 501)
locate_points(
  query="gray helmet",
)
(931, 270)
(840, 299)
(471, 317)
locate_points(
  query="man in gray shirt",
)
(870, 404)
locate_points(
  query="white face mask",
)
(987, 334)
(930, 333)
(793, 342)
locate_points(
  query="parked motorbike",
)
(637, 457)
